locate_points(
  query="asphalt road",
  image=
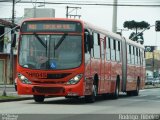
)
(148, 102)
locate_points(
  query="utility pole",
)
(12, 37)
(114, 21)
(153, 64)
(11, 50)
(73, 9)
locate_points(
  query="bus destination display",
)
(51, 26)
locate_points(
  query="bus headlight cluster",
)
(23, 79)
(75, 79)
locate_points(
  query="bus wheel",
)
(116, 93)
(91, 98)
(129, 93)
(136, 92)
(38, 98)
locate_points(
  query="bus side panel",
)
(142, 84)
(107, 82)
(92, 68)
(132, 75)
(116, 70)
(88, 79)
(113, 76)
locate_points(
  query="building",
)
(153, 62)
(38, 12)
(6, 76)
(5, 43)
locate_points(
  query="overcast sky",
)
(102, 15)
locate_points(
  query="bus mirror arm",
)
(86, 42)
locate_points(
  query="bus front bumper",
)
(51, 89)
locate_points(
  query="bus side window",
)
(132, 55)
(108, 49)
(136, 56)
(117, 50)
(139, 57)
(88, 42)
(96, 45)
(144, 62)
(113, 50)
(102, 43)
(129, 54)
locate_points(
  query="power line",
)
(99, 4)
(93, 3)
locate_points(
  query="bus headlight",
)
(75, 79)
(23, 79)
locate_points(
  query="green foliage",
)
(8, 97)
(136, 25)
(132, 35)
(139, 37)
(133, 25)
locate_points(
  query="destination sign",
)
(51, 26)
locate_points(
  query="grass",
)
(8, 97)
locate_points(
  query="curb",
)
(152, 87)
(16, 99)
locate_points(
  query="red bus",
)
(71, 58)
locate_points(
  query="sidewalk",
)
(11, 94)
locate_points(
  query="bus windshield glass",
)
(62, 51)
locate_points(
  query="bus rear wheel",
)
(115, 95)
(136, 92)
(39, 98)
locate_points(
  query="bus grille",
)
(49, 90)
(57, 76)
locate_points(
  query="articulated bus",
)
(72, 58)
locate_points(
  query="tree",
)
(133, 25)
(137, 38)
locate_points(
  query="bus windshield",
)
(48, 52)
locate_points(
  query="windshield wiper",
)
(40, 40)
(60, 41)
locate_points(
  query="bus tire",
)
(91, 98)
(39, 98)
(116, 92)
(136, 92)
(129, 93)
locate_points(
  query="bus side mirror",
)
(88, 42)
(17, 28)
(13, 44)
(91, 41)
